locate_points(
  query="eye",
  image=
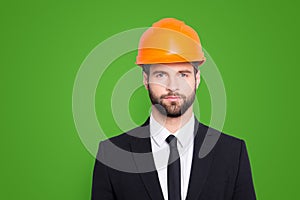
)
(160, 75)
(183, 75)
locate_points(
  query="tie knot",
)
(172, 141)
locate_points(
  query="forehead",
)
(171, 67)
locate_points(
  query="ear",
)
(198, 80)
(145, 80)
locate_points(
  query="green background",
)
(43, 43)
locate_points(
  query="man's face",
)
(172, 87)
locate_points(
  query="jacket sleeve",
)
(244, 189)
(101, 185)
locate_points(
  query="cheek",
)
(157, 88)
(187, 85)
(158, 83)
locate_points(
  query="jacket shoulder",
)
(124, 139)
(222, 141)
(223, 136)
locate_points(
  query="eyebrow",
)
(159, 72)
(185, 71)
(163, 72)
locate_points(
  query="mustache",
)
(172, 94)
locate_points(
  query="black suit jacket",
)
(125, 170)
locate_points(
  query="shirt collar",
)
(184, 135)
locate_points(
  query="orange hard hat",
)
(169, 41)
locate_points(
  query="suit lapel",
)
(200, 167)
(141, 146)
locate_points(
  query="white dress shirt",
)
(161, 151)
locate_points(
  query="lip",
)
(172, 98)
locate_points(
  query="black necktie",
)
(174, 186)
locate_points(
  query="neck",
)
(173, 124)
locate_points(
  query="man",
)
(162, 159)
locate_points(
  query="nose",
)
(172, 84)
